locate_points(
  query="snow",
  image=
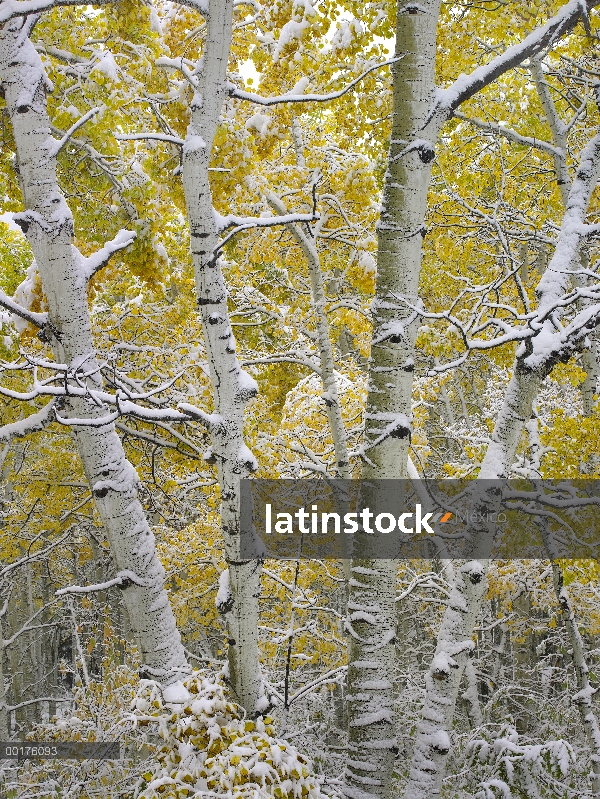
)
(193, 143)
(121, 577)
(155, 22)
(125, 482)
(300, 86)
(247, 384)
(386, 639)
(259, 123)
(100, 258)
(367, 262)
(374, 685)
(33, 422)
(442, 663)
(584, 695)
(385, 714)
(291, 31)
(224, 596)
(246, 457)
(466, 85)
(262, 703)
(107, 64)
(25, 295)
(176, 693)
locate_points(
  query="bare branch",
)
(32, 424)
(37, 319)
(57, 147)
(239, 94)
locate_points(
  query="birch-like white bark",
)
(454, 642)
(48, 224)
(559, 132)
(232, 387)
(327, 362)
(585, 692)
(372, 746)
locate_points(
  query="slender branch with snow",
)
(298, 96)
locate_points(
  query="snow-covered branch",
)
(297, 95)
(125, 402)
(511, 135)
(466, 86)
(244, 222)
(57, 146)
(37, 319)
(248, 222)
(32, 424)
(23, 8)
(122, 579)
(150, 136)
(95, 262)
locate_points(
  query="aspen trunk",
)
(585, 692)
(455, 637)
(48, 225)
(232, 387)
(372, 746)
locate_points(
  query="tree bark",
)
(232, 387)
(454, 642)
(372, 746)
(48, 225)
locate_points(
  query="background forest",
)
(293, 239)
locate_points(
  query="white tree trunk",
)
(559, 131)
(585, 692)
(327, 362)
(454, 642)
(48, 224)
(372, 746)
(232, 387)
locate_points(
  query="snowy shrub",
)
(210, 746)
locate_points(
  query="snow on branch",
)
(248, 222)
(293, 356)
(10, 708)
(299, 97)
(151, 136)
(201, 6)
(543, 338)
(122, 580)
(32, 424)
(244, 222)
(37, 319)
(179, 64)
(125, 402)
(57, 146)
(466, 86)
(511, 135)
(95, 262)
(23, 8)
